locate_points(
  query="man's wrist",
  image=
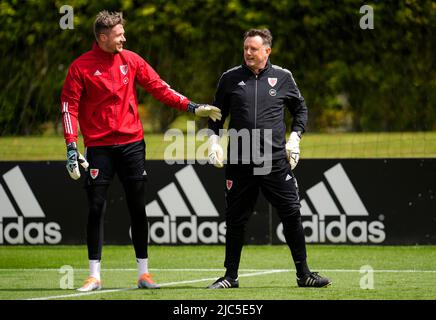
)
(299, 133)
(295, 136)
(214, 139)
(72, 146)
(192, 106)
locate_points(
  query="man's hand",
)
(73, 159)
(216, 152)
(293, 149)
(205, 110)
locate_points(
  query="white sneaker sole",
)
(89, 289)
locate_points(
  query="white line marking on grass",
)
(379, 271)
(211, 279)
(162, 285)
(216, 269)
(81, 294)
(124, 269)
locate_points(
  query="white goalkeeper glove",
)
(293, 149)
(74, 157)
(216, 153)
(205, 110)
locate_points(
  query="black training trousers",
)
(280, 188)
(128, 162)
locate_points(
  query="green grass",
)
(370, 145)
(400, 272)
(338, 145)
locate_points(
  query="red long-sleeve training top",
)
(99, 92)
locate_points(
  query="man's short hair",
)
(105, 21)
(265, 34)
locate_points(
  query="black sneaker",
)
(224, 283)
(313, 279)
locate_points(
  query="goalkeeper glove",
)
(293, 149)
(216, 152)
(205, 110)
(73, 159)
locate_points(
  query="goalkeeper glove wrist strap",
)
(71, 146)
(192, 106)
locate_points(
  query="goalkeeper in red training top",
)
(99, 94)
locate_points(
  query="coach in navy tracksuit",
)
(255, 95)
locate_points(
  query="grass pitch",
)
(320, 146)
(399, 272)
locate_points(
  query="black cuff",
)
(192, 106)
(71, 146)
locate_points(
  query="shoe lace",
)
(147, 277)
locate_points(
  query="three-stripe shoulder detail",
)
(282, 69)
(286, 71)
(232, 69)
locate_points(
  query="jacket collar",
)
(267, 67)
(100, 52)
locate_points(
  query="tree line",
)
(353, 79)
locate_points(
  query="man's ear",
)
(102, 37)
(268, 50)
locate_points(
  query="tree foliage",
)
(380, 79)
